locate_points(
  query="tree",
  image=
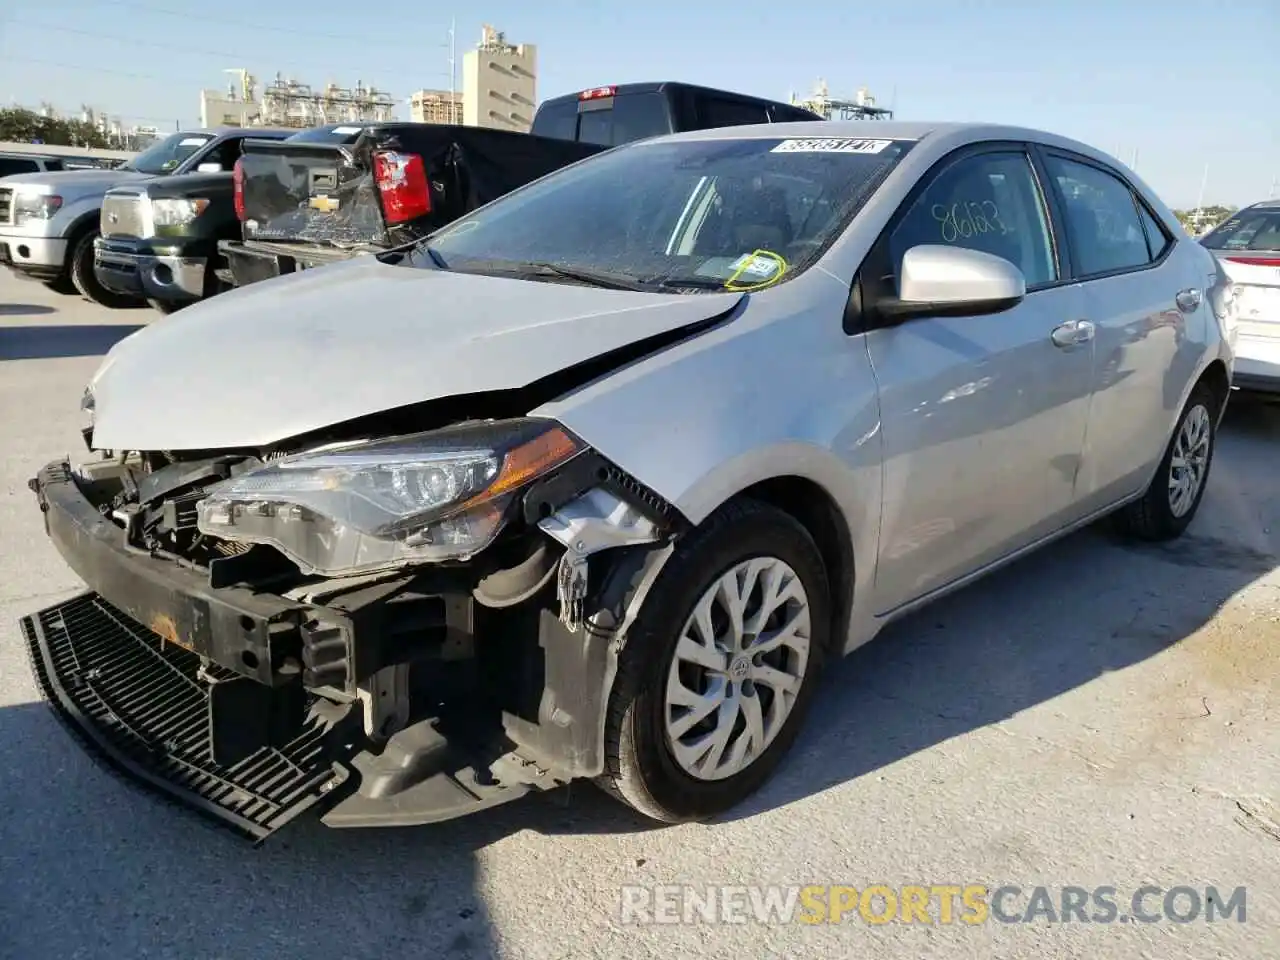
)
(27, 126)
(1205, 218)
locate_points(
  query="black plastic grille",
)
(137, 703)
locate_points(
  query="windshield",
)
(168, 154)
(678, 216)
(1257, 229)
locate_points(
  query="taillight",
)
(237, 178)
(1255, 261)
(597, 93)
(402, 182)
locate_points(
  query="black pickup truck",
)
(304, 204)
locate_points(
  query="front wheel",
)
(81, 270)
(720, 667)
(62, 285)
(167, 307)
(1172, 499)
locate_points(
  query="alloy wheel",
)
(737, 669)
(1190, 460)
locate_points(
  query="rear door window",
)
(1103, 225)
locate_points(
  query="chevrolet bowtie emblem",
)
(325, 204)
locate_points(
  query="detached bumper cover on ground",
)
(135, 702)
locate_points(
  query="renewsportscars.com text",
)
(930, 904)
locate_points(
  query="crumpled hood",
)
(283, 357)
(73, 182)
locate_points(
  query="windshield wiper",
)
(434, 254)
(597, 278)
(695, 283)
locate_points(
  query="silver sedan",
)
(676, 424)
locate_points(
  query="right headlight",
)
(368, 506)
(34, 206)
(171, 215)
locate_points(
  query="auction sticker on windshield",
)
(831, 145)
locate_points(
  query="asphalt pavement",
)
(1096, 715)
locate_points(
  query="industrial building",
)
(861, 107)
(500, 83)
(287, 103)
(436, 106)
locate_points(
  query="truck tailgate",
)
(310, 193)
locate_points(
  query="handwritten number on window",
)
(964, 220)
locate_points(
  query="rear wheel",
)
(1174, 496)
(721, 665)
(81, 270)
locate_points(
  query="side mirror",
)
(211, 167)
(946, 281)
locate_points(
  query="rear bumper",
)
(249, 261)
(123, 268)
(1257, 366)
(42, 257)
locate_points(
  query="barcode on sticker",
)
(193, 141)
(756, 266)
(831, 145)
(346, 131)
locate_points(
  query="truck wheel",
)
(62, 285)
(720, 667)
(81, 268)
(1174, 496)
(169, 306)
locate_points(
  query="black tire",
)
(169, 306)
(1152, 517)
(62, 285)
(640, 769)
(80, 264)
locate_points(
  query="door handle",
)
(1188, 300)
(1072, 333)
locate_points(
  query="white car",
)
(592, 482)
(1247, 245)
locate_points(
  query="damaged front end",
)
(399, 631)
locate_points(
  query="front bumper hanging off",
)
(137, 703)
(223, 698)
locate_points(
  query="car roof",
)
(948, 136)
(252, 131)
(1264, 205)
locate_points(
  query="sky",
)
(1185, 91)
